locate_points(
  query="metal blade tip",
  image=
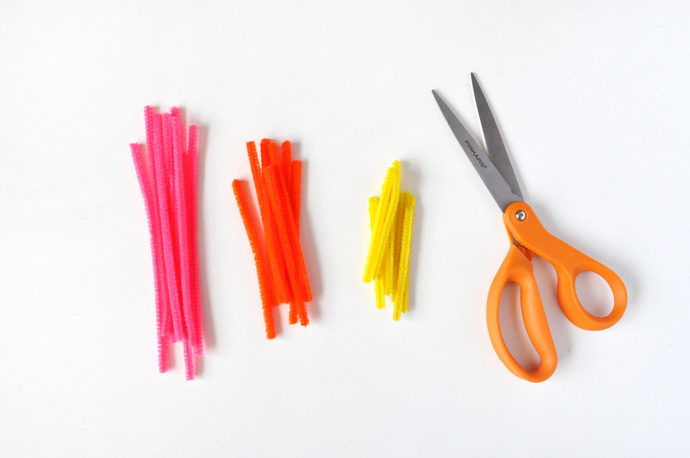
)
(438, 97)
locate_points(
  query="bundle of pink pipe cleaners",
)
(167, 176)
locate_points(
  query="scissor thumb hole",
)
(594, 293)
(570, 301)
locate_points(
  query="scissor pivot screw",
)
(520, 215)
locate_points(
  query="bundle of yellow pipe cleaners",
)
(388, 262)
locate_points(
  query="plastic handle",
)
(517, 268)
(523, 224)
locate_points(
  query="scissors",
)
(527, 237)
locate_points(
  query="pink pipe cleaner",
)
(172, 193)
(182, 230)
(168, 155)
(158, 273)
(193, 155)
(153, 187)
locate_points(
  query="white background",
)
(593, 99)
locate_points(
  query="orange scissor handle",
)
(569, 263)
(517, 268)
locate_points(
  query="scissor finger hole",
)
(513, 328)
(594, 293)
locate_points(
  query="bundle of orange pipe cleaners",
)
(280, 265)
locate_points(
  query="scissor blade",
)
(498, 187)
(494, 143)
